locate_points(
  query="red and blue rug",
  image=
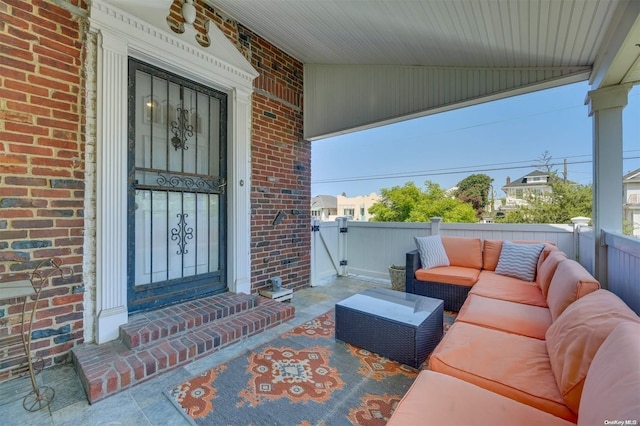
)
(303, 377)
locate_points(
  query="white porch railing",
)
(623, 268)
(369, 248)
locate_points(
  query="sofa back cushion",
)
(463, 251)
(492, 248)
(491, 254)
(575, 337)
(569, 283)
(612, 387)
(547, 268)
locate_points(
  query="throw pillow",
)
(519, 260)
(431, 251)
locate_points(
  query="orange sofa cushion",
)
(492, 248)
(569, 283)
(491, 254)
(512, 289)
(438, 399)
(526, 320)
(463, 251)
(575, 337)
(612, 387)
(547, 268)
(449, 274)
(509, 364)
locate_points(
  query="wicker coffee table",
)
(400, 326)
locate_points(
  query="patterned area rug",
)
(304, 377)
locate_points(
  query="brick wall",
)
(41, 165)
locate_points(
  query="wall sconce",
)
(189, 12)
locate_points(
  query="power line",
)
(449, 171)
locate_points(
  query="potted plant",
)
(397, 274)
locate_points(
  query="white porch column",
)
(605, 106)
(111, 187)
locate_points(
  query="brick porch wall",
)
(41, 165)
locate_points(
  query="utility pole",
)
(564, 173)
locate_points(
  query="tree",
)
(411, 204)
(396, 203)
(566, 200)
(474, 189)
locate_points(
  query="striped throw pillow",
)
(519, 260)
(431, 251)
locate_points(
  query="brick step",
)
(109, 368)
(149, 327)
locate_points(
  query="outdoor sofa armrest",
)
(412, 265)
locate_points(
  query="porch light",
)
(189, 12)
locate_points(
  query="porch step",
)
(149, 327)
(157, 342)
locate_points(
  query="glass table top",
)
(394, 305)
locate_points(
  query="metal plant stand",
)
(16, 360)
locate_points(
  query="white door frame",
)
(141, 31)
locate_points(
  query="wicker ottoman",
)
(400, 326)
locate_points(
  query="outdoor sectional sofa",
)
(555, 351)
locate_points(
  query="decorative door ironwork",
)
(177, 200)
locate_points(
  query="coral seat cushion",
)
(501, 287)
(575, 337)
(612, 387)
(526, 320)
(509, 364)
(461, 251)
(438, 399)
(449, 274)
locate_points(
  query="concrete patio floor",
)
(145, 404)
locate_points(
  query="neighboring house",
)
(324, 207)
(631, 208)
(519, 190)
(357, 208)
(328, 207)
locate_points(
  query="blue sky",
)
(501, 138)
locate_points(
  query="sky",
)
(505, 138)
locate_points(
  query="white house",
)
(328, 207)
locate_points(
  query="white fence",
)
(369, 248)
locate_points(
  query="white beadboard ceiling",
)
(516, 45)
(478, 33)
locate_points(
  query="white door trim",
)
(142, 32)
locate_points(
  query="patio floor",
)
(145, 404)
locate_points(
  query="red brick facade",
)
(41, 165)
(281, 171)
(42, 161)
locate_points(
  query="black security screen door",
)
(177, 178)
